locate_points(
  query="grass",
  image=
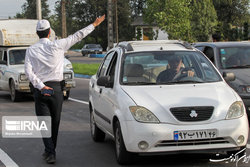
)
(86, 69)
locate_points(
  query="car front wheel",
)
(15, 95)
(97, 134)
(122, 155)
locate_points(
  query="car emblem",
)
(193, 114)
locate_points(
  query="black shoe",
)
(45, 155)
(51, 159)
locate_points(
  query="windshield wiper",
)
(243, 66)
(176, 82)
(140, 83)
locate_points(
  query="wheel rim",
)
(117, 141)
(92, 124)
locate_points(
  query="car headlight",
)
(69, 66)
(23, 77)
(142, 114)
(236, 110)
(67, 76)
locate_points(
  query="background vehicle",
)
(198, 114)
(232, 57)
(15, 37)
(91, 49)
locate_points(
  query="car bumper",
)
(23, 87)
(160, 137)
(70, 84)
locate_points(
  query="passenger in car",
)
(174, 70)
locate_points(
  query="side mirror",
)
(229, 76)
(104, 81)
(3, 62)
(67, 56)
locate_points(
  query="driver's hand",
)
(189, 73)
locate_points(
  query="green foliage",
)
(203, 19)
(138, 33)
(86, 69)
(29, 10)
(231, 13)
(171, 16)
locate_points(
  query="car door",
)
(96, 92)
(108, 99)
(3, 68)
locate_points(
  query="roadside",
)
(76, 57)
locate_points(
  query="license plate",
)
(195, 134)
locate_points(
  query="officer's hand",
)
(48, 88)
(99, 20)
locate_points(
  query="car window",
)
(234, 57)
(209, 52)
(5, 56)
(1, 55)
(111, 68)
(104, 65)
(147, 67)
(17, 56)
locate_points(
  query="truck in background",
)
(15, 37)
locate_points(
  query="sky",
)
(11, 7)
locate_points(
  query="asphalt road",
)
(76, 57)
(75, 146)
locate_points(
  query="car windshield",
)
(17, 56)
(235, 57)
(167, 67)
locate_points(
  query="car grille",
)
(191, 114)
(173, 143)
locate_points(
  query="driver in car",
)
(174, 70)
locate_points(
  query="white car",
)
(13, 78)
(198, 113)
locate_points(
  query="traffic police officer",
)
(44, 63)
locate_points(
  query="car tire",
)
(123, 157)
(14, 94)
(97, 134)
(66, 97)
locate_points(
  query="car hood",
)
(159, 99)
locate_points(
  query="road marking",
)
(248, 146)
(79, 101)
(6, 160)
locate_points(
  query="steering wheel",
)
(183, 73)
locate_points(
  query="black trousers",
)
(50, 106)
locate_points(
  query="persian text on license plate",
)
(195, 134)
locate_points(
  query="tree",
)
(137, 7)
(203, 19)
(231, 13)
(173, 16)
(29, 10)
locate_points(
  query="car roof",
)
(222, 44)
(154, 45)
